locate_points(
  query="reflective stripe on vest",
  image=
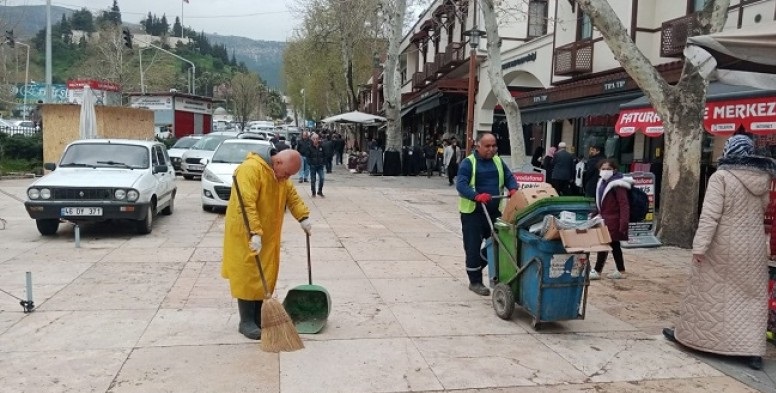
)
(467, 205)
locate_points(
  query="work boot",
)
(479, 289)
(258, 314)
(248, 326)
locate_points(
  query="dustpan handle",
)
(248, 230)
(309, 265)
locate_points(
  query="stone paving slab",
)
(128, 313)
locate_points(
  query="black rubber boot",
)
(258, 313)
(248, 326)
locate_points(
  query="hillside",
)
(263, 57)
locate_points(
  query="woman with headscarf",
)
(548, 163)
(724, 308)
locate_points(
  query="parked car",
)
(180, 147)
(217, 177)
(26, 124)
(191, 160)
(9, 128)
(104, 179)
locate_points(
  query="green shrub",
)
(21, 147)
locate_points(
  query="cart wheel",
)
(503, 301)
(536, 325)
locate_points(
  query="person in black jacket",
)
(328, 148)
(429, 153)
(591, 174)
(562, 170)
(317, 161)
(536, 159)
(339, 148)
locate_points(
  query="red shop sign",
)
(756, 114)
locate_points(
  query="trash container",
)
(554, 282)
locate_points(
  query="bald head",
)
(286, 163)
(486, 146)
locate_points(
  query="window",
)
(585, 27)
(403, 67)
(159, 156)
(537, 18)
(695, 5)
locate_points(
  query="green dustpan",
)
(308, 305)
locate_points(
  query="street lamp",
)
(26, 80)
(474, 41)
(375, 76)
(304, 109)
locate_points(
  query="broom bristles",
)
(278, 333)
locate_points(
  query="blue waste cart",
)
(552, 283)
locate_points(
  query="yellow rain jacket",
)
(266, 201)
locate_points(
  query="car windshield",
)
(185, 143)
(209, 143)
(106, 155)
(235, 153)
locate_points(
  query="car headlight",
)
(120, 194)
(176, 159)
(211, 177)
(132, 195)
(33, 193)
(45, 193)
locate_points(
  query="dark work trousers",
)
(563, 187)
(616, 253)
(338, 156)
(328, 164)
(316, 176)
(475, 229)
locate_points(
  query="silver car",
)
(191, 160)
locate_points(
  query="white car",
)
(104, 179)
(191, 160)
(180, 147)
(9, 128)
(217, 177)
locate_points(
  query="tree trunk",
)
(394, 11)
(681, 107)
(504, 97)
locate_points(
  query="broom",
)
(278, 333)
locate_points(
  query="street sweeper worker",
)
(481, 177)
(267, 192)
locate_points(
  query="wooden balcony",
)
(674, 33)
(419, 79)
(455, 55)
(431, 71)
(575, 58)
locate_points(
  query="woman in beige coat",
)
(724, 308)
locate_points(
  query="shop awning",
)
(423, 105)
(607, 105)
(728, 108)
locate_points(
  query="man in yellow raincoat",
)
(267, 193)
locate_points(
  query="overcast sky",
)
(258, 19)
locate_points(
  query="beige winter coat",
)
(724, 309)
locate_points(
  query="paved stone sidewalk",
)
(128, 313)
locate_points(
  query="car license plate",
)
(82, 211)
(195, 167)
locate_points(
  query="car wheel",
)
(145, 226)
(167, 211)
(188, 177)
(47, 227)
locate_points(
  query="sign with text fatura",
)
(755, 114)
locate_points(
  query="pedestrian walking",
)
(452, 152)
(429, 154)
(611, 201)
(590, 176)
(562, 170)
(724, 307)
(536, 159)
(281, 144)
(317, 160)
(264, 185)
(548, 163)
(481, 176)
(339, 148)
(303, 147)
(328, 149)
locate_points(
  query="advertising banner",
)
(153, 103)
(528, 179)
(184, 104)
(642, 234)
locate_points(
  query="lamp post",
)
(304, 109)
(375, 76)
(49, 77)
(191, 78)
(474, 41)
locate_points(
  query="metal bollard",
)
(77, 230)
(29, 304)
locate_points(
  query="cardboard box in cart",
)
(586, 240)
(524, 198)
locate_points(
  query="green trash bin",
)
(506, 255)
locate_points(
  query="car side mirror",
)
(204, 161)
(49, 166)
(160, 169)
